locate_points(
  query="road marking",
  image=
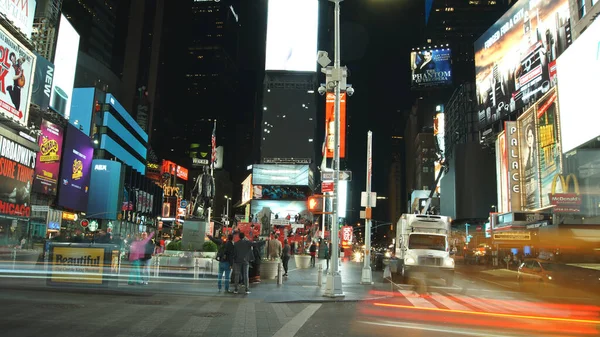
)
(445, 330)
(449, 303)
(416, 300)
(293, 326)
(496, 283)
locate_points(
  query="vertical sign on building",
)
(530, 174)
(514, 163)
(502, 173)
(330, 122)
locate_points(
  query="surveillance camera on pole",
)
(323, 58)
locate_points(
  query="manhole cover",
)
(63, 306)
(146, 302)
(211, 314)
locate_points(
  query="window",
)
(425, 169)
(449, 9)
(581, 5)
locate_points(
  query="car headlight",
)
(549, 277)
(449, 263)
(409, 260)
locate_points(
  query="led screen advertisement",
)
(20, 13)
(579, 75)
(16, 76)
(431, 67)
(292, 32)
(105, 189)
(17, 164)
(515, 59)
(75, 170)
(548, 145)
(269, 213)
(65, 62)
(530, 174)
(48, 161)
(42, 82)
(271, 174)
(330, 123)
(288, 125)
(280, 192)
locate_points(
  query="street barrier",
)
(279, 273)
(320, 275)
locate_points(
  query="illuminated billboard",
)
(290, 175)
(75, 170)
(514, 165)
(579, 82)
(20, 14)
(16, 77)
(530, 174)
(48, 161)
(247, 190)
(502, 173)
(515, 59)
(292, 32)
(548, 145)
(17, 164)
(431, 67)
(65, 62)
(330, 123)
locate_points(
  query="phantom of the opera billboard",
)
(515, 59)
(431, 68)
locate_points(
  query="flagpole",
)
(212, 167)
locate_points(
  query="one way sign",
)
(344, 175)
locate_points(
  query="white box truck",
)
(422, 247)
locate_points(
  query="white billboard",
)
(292, 31)
(21, 14)
(16, 76)
(578, 71)
(65, 64)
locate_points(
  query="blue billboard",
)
(82, 109)
(431, 67)
(105, 189)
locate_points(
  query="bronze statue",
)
(203, 194)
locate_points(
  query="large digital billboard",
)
(48, 161)
(330, 123)
(17, 164)
(431, 67)
(16, 77)
(288, 127)
(42, 82)
(272, 174)
(65, 63)
(105, 189)
(20, 13)
(75, 170)
(292, 32)
(515, 59)
(579, 75)
(530, 174)
(268, 212)
(280, 192)
(548, 146)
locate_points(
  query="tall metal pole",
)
(333, 285)
(367, 274)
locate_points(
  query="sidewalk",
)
(300, 286)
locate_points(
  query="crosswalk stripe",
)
(416, 300)
(449, 303)
(481, 303)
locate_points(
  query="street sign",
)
(327, 186)
(363, 199)
(344, 175)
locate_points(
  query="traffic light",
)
(315, 203)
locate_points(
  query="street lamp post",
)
(336, 76)
(227, 209)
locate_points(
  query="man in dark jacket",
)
(243, 256)
(225, 256)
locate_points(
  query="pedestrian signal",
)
(315, 204)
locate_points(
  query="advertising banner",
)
(48, 161)
(17, 164)
(247, 190)
(515, 59)
(550, 159)
(105, 188)
(42, 82)
(20, 13)
(271, 174)
(77, 265)
(75, 170)
(330, 122)
(182, 172)
(502, 173)
(347, 236)
(430, 68)
(565, 201)
(292, 33)
(530, 174)
(16, 75)
(264, 211)
(65, 62)
(514, 164)
(280, 193)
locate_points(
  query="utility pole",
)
(367, 274)
(335, 76)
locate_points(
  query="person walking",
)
(285, 256)
(146, 252)
(225, 255)
(274, 248)
(256, 262)
(327, 254)
(313, 253)
(134, 259)
(243, 256)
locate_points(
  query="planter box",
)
(268, 269)
(302, 261)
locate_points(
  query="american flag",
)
(213, 143)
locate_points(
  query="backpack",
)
(221, 253)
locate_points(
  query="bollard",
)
(14, 256)
(320, 275)
(279, 273)
(157, 267)
(196, 268)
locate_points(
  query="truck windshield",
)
(424, 241)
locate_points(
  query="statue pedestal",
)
(194, 234)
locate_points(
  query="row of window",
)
(582, 8)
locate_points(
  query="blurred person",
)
(274, 248)
(146, 252)
(313, 253)
(225, 256)
(285, 256)
(256, 262)
(243, 256)
(327, 253)
(135, 250)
